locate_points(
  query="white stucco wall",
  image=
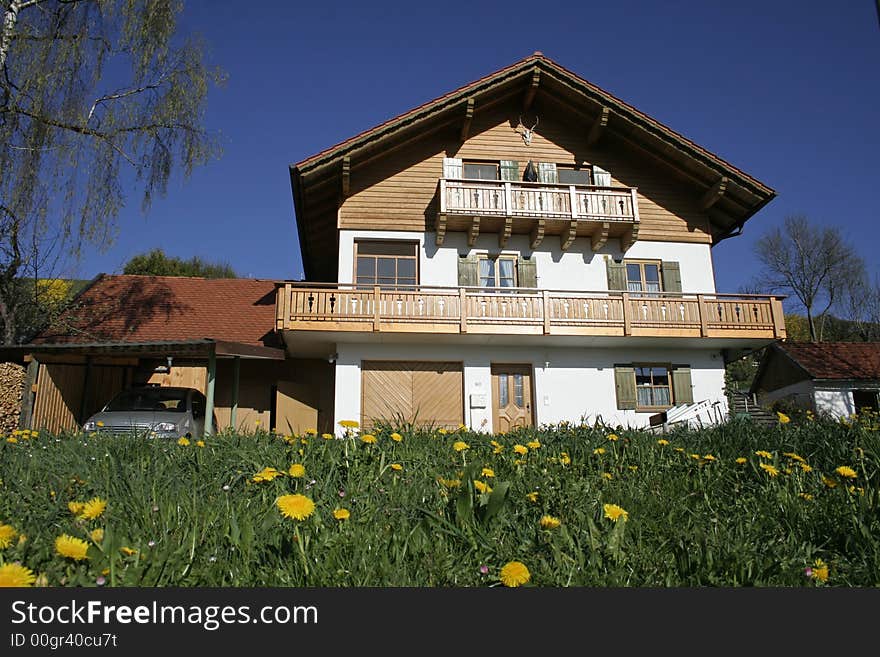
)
(576, 269)
(568, 383)
(832, 398)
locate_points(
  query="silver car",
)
(152, 411)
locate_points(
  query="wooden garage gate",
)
(421, 392)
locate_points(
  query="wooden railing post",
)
(376, 318)
(546, 298)
(778, 318)
(443, 196)
(704, 327)
(572, 195)
(508, 198)
(288, 302)
(627, 317)
(462, 309)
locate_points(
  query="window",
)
(386, 264)
(643, 276)
(572, 175)
(653, 387)
(481, 170)
(499, 271)
(865, 400)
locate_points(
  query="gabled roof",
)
(149, 309)
(538, 77)
(835, 360)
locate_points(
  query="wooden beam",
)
(715, 192)
(28, 395)
(537, 234)
(440, 228)
(568, 235)
(504, 235)
(600, 236)
(468, 117)
(474, 231)
(532, 90)
(629, 238)
(598, 126)
(346, 175)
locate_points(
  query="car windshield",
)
(151, 399)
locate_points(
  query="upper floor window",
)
(499, 271)
(386, 264)
(643, 276)
(480, 170)
(569, 175)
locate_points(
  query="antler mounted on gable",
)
(525, 132)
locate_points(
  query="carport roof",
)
(156, 349)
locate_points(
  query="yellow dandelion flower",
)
(783, 418)
(633, 467)
(75, 507)
(266, 474)
(805, 467)
(327, 436)
(311, 432)
(200, 443)
(599, 451)
(22, 539)
(341, 514)
(442, 432)
(532, 497)
(846, 472)
(498, 446)
(183, 441)
(662, 442)
(615, 513)
(71, 547)
(709, 457)
(533, 444)
(460, 446)
(820, 570)
(12, 439)
(487, 472)
(298, 507)
(564, 458)
(680, 450)
(613, 437)
(695, 456)
(396, 467)
(7, 534)
(805, 496)
(93, 508)
(369, 438)
(297, 470)
(522, 450)
(549, 522)
(449, 483)
(97, 535)
(396, 437)
(607, 475)
(482, 487)
(794, 457)
(349, 424)
(515, 573)
(769, 469)
(828, 481)
(853, 490)
(519, 462)
(741, 460)
(127, 551)
(16, 575)
(764, 454)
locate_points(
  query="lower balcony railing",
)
(340, 307)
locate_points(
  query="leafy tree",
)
(156, 263)
(814, 264)
(95, 96)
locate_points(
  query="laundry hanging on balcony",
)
(531, 172)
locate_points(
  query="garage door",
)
(420, 392)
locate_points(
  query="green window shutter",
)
(452, 167)
(601, 177)
(682, 389)
(616, 276)
(509, 170)
(671, 277)
(527, 273)
(547, 172)
(468, 271)
(625, 386)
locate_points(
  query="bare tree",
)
(813, 264)
(862, 308)
(95, 96)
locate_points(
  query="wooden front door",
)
(511, 397)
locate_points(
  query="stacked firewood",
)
(11, 381)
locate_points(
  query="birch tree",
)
(96, 97)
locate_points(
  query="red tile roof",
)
(835, 360)
(126, 308)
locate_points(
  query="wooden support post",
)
(474, 231)
(627, 317)
(504, 235)
(546, 303)
(630, 237)
(462, 308)
(346, 176)
(704, 327)
(537, 235)
(598, 127)
(209, 392)
(468, 117)
(87, 381)
(714, 193)
(376, 316)
(28, 395)
(440, 228)
(236, 372)
(568, 236)
(600, 236)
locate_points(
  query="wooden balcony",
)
(522, 311)
(537, 209)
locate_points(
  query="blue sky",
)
(788, 91)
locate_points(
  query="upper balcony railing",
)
(542, 200)
(525, 311)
